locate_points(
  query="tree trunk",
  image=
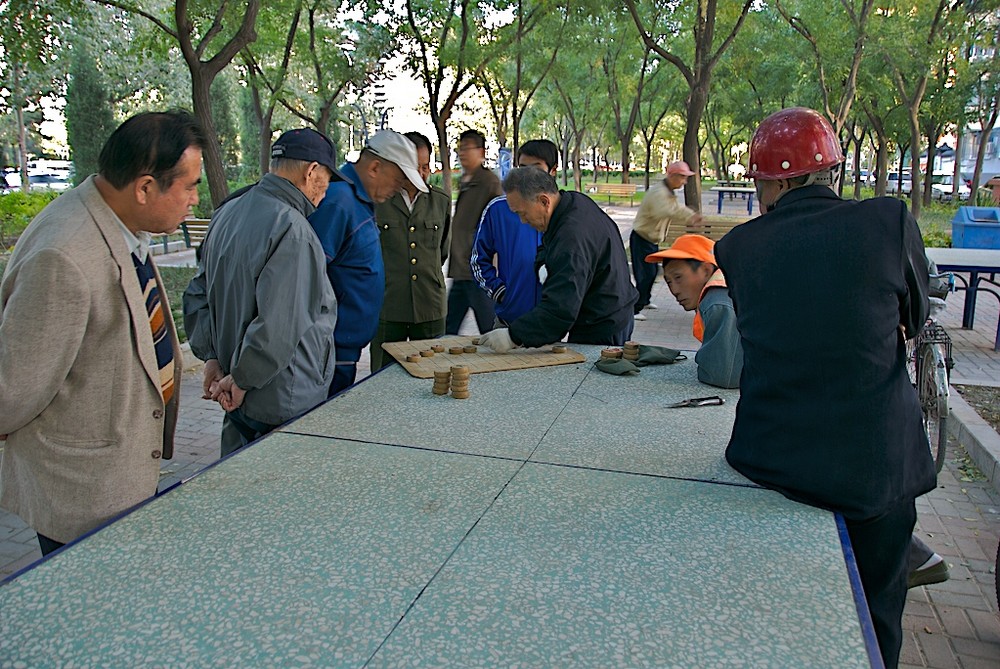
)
(857, 170)
(214, 170)
(22, 148)
(692, 150)
(957, 176)
(914, 164)
(987, 130)
(445, 151)
(649, 159)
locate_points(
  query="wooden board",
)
(483, 360)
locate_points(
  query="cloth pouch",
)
(617, 366)
(658, 355)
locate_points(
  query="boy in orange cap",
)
(697, 284)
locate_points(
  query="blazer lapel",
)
(106, 222)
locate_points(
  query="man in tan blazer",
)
(89, 359)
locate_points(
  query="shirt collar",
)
(138, 245)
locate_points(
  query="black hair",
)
(478, 137)
(151, 143)
(419, 140)
(542, 149)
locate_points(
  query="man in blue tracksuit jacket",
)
(512, 284)
(345, 225)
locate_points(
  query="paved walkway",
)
(948, 625)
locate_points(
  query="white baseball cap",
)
(397, 149)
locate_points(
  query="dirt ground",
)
(986, 402)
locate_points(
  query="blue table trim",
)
(864, 615)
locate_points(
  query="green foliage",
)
(934, 236)
(17, 210)
(175, 281)
(89, 120)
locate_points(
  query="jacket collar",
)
(286, 191)
(559, 213)
(354, 180)
(797, 194)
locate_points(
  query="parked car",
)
(892, 184)
(40, 181)
(943, 188)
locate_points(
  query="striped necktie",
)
(157, 324)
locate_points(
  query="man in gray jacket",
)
(260, 311)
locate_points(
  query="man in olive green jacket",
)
(415, 236)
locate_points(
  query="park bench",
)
(614, 189)
(194, 230)
(710, 226)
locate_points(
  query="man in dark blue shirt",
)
(345, 225)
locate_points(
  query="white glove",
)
(499, 340)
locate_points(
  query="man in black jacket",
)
(826, 291)
(586, 290)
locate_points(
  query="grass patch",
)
(175, 281)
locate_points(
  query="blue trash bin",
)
(976, 228)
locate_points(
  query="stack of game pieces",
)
(611, 353)
(460, 382)
(631, 351)
(442, 382)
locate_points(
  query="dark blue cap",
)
(309, 145)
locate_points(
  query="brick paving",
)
(955, 624)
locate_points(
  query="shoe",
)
(650, 306)
(935, 570)
(640, 316)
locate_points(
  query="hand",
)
(696, 219)
(212, 374)
(499, 340)
(229, 395)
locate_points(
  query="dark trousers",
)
(389, 331)
(882, 547)
(644, 272)
(238, 431)
(465, 295)
(346, 370)
(48, 545)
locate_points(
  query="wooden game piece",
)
(437, 348)
(459, 371)
(475, 341)
(427, 354)
(558, 348)
(612, 353)
(469, 349)
(440, 390)
(456, 350)
(413, 357)
(460, 394)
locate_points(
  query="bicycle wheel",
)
(933, 392)
(911, 361)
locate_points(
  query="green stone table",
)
(558, 517)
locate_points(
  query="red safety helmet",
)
(793, 142)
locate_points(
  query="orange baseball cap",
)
(680, 167)
(693, 247)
